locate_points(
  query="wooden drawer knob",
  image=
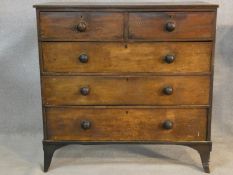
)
(85, 124)
(82, 26)
(167, 124)
(169, 59)
(85, 91)
(83, 58)
(168, 90)
(170, 26)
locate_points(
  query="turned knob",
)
(83, 58)
(168, 90)
(169, 59)
(85, 124)
(82, 26)
(170, 26)
(167, 124)
(85, 91)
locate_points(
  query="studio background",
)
(21, 119)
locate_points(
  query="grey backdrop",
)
(20, 103)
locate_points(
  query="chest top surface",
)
(128, 5)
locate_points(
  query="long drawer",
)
(105, 57)
(121, 90)
(128, 124)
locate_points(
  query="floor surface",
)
(23, 155)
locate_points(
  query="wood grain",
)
(126, 74)
(189, 25)
(100, 25)
(126, 124)
(136, 57)
(113, 90)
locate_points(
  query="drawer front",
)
(89, 57)
(93, 124)
(81, 26)
(110, 90)
(171, 25)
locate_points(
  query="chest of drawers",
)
(126, 73)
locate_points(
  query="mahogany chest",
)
(126, 73)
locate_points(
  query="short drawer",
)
(93, 57)
(133, 90)
(171, 25)
(81, 26)
(128, 124)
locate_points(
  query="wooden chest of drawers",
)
(126, 73)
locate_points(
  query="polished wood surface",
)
(99, 25)
(124, 5)
(126, 124)
(149, 90)
(127, 72)
(188, 25)
(119, 58)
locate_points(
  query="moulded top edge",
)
(128, 5)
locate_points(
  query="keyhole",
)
(170, 16)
